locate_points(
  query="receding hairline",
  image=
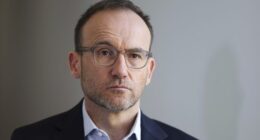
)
(117, 9)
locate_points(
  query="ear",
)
(74, 63)
(151, 67)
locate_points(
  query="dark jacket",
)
(69, 126)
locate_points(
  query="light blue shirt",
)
(92, 132)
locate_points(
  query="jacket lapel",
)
(71, 126)
(150, 130)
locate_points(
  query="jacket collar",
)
(150, 130)
(71, 127)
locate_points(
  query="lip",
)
(119, 87)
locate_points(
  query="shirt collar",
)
(89, 125)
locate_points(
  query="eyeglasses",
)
(106, 55)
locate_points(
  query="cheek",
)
(92, 74)
(140, 77)
(93, 77)
(139, 83)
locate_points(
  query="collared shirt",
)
(92, 132)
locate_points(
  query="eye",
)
(135, 55)
(104, 52)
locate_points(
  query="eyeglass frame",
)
(82, 49)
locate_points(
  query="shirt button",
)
(100, 134)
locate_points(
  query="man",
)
(113, 61)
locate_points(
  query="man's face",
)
(114, 87)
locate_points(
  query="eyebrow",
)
(135, 49)
(104, 43)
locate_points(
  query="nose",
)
(119, 68)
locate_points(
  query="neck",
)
(116, 124)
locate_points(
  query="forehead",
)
(123, 28)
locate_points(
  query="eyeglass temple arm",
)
(83, 49)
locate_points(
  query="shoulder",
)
(40, 129)
(47, 128)
(162, 130)
(173, 132)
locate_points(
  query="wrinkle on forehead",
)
(122, 27)
(109, 36)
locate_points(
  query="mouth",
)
(119, 87)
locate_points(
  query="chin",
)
(116, 104)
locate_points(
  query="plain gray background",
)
(207, 77)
